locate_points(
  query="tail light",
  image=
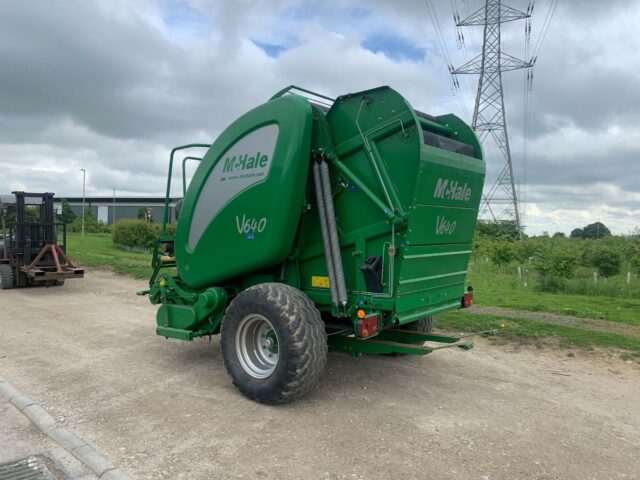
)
(467, 299)
(367, 324)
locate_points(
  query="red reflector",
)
(368, 326)
(467, 300)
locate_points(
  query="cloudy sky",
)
(111, 86)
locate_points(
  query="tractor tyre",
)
(6, 277)
(273, 342)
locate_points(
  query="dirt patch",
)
(88, 354)
(566, 320)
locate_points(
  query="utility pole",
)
(84, 175)
(489, 118)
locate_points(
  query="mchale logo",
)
(452, 190)
(245, 162)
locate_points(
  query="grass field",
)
(496, 288)
(492, 288)
(98, 250)
(520, 328)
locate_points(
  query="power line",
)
(553, 5)
(529, 76)
(438, 30)
(465, 53)
(445, 52)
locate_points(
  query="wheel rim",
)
(257, 346)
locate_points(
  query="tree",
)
(595, 231)
(67, 215)
(555, 265)
(559, 235)
(526, 248)
(31, 214)
(142, 214)
(635, 259)
(506, 229)
(607, 260)
(10, 219)
(559, 262)
(91, 224)
(501, 252)
(577, 233)
(88, 215)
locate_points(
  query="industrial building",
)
(105, 209)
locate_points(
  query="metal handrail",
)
(167, 195)
(291, 88)
(184, 172)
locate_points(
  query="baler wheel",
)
(6, 277)
(424, 325)
(274, 344)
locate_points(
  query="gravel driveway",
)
(87, 352)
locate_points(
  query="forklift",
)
(30, 254)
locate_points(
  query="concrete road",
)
(88, 354)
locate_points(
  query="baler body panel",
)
(437, 244)
(436, 191)
(235, 218)
(364, 229)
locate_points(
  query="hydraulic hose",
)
(322, 213)
(333, 233)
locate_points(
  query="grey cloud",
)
(107, 87)
(90, 69)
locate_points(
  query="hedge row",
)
(137, 233)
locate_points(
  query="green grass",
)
(98, 250)
(492, 288)
(517, 328)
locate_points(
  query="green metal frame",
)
(184, 172)
(406, 342)
(164, 238)
(292, 88)
(388, 212)
(165, 217)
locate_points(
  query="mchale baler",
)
(313, 223)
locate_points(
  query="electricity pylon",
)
(489, 119)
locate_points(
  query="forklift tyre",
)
(6, 277)
(273, 342)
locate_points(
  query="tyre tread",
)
(308, 346)
(6, 277)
